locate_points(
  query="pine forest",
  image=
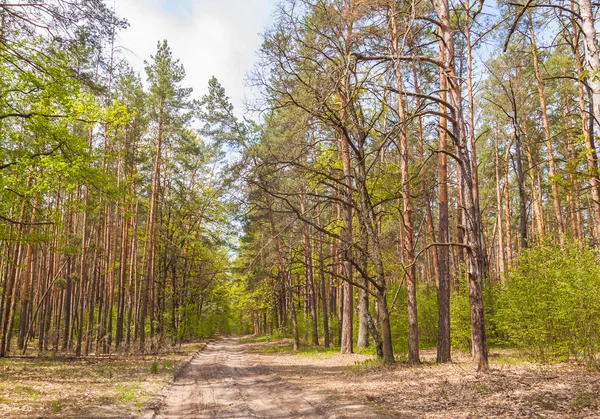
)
(407, 184)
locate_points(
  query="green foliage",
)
(398, 318)
(154, 368)
(366, 364)
(29, 391)
(549, 304)
(127, 392)
(56, 406)
(304, 325)
(460, 315)
(460, 319)
(255, 339)
(427, 312)
(427, 317)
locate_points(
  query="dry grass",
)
(349, 386)
(357, 385)
(108, 386)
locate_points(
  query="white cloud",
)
(210, 37)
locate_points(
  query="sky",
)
(210, 37)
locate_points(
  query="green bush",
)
(427, 310)
(399, 318)
(460, 316)
(549, 305)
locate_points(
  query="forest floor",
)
(110, 386)
(235, 378)
(248, 378)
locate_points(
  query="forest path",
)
(226, 381)
(234, 379)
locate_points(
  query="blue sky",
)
(178, 9)
(210, 37)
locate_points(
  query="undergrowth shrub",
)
(398, 318)
(550, 303)
(460, 318)
(426, 312)
(460, 315)
(548, 306)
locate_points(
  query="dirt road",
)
(231, 379)
(224, 381)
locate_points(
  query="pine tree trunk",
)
(560, 225)
(324, 302)
(443, 252)
(591, 153)
(151, 229)
(475, 255)
(309, 275)
(592, 54)
(536, 189)
(346, 196)
(406, 209)
(500, 252)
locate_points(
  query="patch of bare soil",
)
(226, 381)
(230, 379)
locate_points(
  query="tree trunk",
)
(324, 302)
(151, 248)
(500, 252)
(592, 53)
(560, 225)
(443, 252)
(406, 210)
(475, 255)
(536, 189)
(346, 196)
(309, 275)
(591, 153)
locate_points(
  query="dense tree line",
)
(416, 151)
(112, 218)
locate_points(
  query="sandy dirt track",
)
(224, 381)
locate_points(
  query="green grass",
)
(126, 392)
(303, 350)
(585, 400)
(29, 391)
(481, 388)
(367, 363)
(311, 350)
(307, 350)
(125, 381)
(280, 348)
(259, 339)
(56, 406)
(512, 360)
